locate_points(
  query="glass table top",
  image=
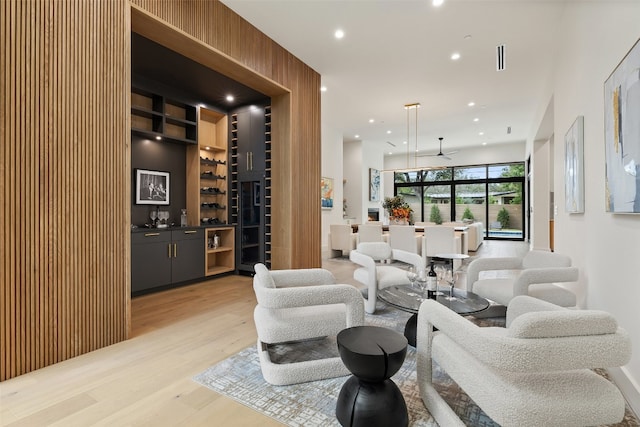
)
(409, 298)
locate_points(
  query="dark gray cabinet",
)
(164, 257)
(250, 141)
(250, 136)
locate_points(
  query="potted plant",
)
(503, 218)
(467, 216)
(399, 210)
(435, 216)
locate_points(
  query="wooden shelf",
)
(221, 259)
(154, 116)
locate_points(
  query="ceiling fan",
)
(440, 153)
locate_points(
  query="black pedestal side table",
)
(369, 398)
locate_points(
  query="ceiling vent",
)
(508, 130)
(500, 58)
(391, 143)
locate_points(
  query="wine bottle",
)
(432, 283)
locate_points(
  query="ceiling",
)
(396, 52)
(154, 67)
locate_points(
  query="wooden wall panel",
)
(65, 165)
(65, 180)
(296, 179)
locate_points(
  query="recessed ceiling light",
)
(455, 56)
(356, 136)
(230, 98)
(476, 119)
(158, 138)
(471, 104)
(371, 120)
(404, 142)
(323, 88)
(484, 143)
(437, 3)
(390, 152)
(481, 133)
(339, 34)
(388, 132)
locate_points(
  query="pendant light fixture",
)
(409, 108)
(412, 142)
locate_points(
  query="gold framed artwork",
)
(622, 135)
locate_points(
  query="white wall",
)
(331, 167)
(592, 39)
(353, 174)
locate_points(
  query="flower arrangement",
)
(398, 209)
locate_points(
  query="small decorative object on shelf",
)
(183, 218)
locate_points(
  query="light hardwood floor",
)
(146, 380)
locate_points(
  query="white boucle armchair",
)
(535, 274)
(535, 372)
(375, 275)
(302, 304)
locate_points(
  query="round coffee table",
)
(369, 398)
(408, 298)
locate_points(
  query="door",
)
(251, 225)
(150, 259)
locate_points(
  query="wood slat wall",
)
(65, 165)
(65, 180)
(296, 216)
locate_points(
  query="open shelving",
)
(221, 259)
(157, 117)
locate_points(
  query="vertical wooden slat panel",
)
(226, 32)
(65, 165)
(59, 298)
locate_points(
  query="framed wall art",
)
(374, 185)
(152, 187)
(326, 191)
(574, 167)
(622, 135)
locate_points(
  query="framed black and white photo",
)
(152, 187)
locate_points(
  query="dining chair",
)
(405, 237)
(440, 239)
(370, 233)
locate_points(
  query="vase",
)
(398, 221)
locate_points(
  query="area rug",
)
(313, 404)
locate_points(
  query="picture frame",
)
(622, 135)
(574, 167)
(326, 193)
(374, 185)
(152, 187)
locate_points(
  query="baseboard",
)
(629, 388)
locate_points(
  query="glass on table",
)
(451, 277)
(440, 273)
(412, 275)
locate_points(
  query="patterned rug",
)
(313, 404)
